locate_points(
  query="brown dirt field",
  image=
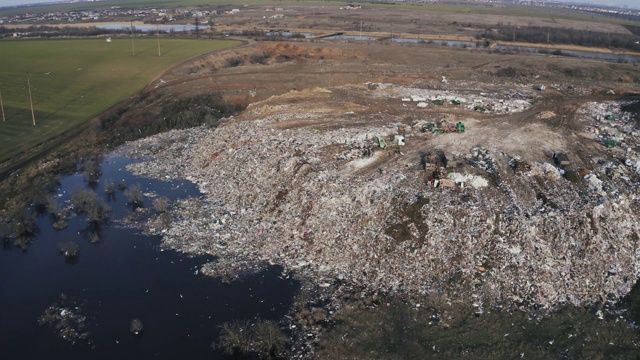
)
(330, 64)
(387, 20)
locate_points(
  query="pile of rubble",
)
(493, 103)
(471, 180)
(612, 127)
(481, 159)
(281, 196)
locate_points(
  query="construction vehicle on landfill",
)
(381, 143)
(459, 128)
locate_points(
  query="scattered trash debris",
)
(69, 249)
(546, 115)
(67, 319)
(561, 159)
(136, 326)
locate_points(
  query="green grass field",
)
(74, 80)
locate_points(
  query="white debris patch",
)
(546, 170)
(496, 103)
(362, 163)
(475, 181)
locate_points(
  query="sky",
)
(631, 3)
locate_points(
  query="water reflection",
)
(117, 275)
(152, 28)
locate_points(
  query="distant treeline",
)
(630, 17)
(44, 31)
(562, 36)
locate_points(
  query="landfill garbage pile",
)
(278, 194)
(608, 124)
(495, 103)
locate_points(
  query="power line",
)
(2, 106)
(158, 36)
(33, 115)
(133, 48)
(197, 27)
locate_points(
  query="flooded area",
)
(574, 53)
(350, 37)
(152, 28)
(438, 42)
(290, 34)
(125, 275)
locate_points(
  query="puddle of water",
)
(288, 34)
(436, 42)
(581, 54)
(125, 276)
(351, 37)
(152, 28)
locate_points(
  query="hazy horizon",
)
(630, 3)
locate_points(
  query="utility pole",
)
(197, 28)
(33, 115)
(133, 48)
(158, 36)
(2, 106)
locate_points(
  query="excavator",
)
(459, 128)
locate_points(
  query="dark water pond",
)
(124, 276)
